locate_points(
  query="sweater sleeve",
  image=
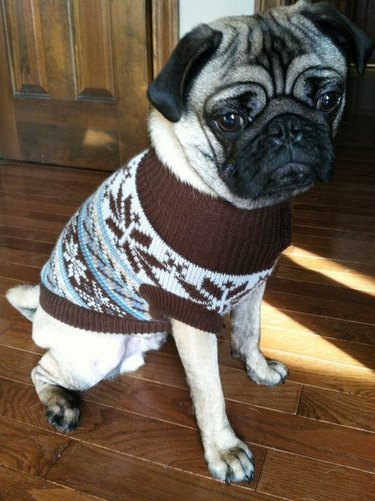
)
(166, 304)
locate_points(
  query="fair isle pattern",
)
(109, 249)
(89, 266)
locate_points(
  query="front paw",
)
(270, 373)
(231, 465)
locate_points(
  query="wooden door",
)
(74, 75)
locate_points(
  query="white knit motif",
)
(109, 249)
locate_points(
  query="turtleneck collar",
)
(210, 232)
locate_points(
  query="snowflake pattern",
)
(109, 249)
(76, 268)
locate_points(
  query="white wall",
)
(193, 12)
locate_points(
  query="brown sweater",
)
(146, 247)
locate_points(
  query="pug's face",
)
(256, 100)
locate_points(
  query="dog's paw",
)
(63, 409)
(272, 373)
(231, 465)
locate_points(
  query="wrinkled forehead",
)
(272, 52)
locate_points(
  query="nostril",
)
(285, 130)
(277, 133)
(296, 135)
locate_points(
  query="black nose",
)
(285, 130)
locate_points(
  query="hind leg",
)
(58, 382)
(58, 390)
(136, 347)
(75, 361)
(61, 375)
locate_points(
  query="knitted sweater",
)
(145, 248)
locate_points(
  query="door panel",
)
(93, 50)
(74, 75)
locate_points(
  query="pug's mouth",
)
(291, 176)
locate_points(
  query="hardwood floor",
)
(312, 438)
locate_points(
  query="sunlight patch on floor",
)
(325, 374)
(338, 272)
(281, 332)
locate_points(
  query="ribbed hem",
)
(166, 303)
(76, 316)
(210, 232)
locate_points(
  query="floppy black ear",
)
(168, 91)
(350, 39)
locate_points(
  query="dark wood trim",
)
(165, 30)
(9, 147)
(262, 5)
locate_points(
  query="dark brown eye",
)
(329, 101)
(230, 122)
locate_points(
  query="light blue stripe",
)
(58, 257)
(97, 276)
(114, 252)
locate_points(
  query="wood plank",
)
(294, 256)
(237, 386)
(137, 436)
(21, 487)
(309, 274)
(167, 369)
(332, 233)
(303, 369)
(38, 223)
(336, 407)
(315, 347)
(19, 244)
(20, 256)
(149, 398)
(30, 234)
(28, 450)
(333, 209)
(67, 190)
(19, 207)
(7, 311)
(342, 294)
(17, 364)
(114, 476)
(322, 220)
(255, 425)
(5, 284)
(313, 305)
(55, 172)
(16, 333)
(20, 272)
(296, 434)
(348, 253)
(323, 374)
(295, 477)
(323, 441)
(338, 199)
(50, 198)
(314, 324)
(268, 428)
(349, 183)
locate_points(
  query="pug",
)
(244, 115)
